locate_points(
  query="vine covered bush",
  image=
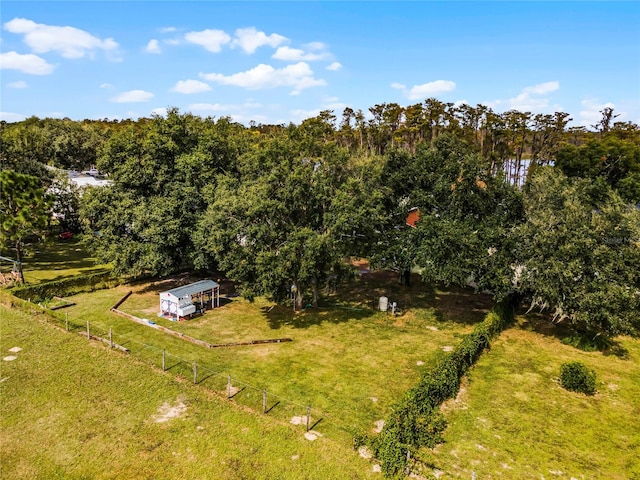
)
(416, 420)
(68, 286)
(577, 377)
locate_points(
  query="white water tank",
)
(383, 304)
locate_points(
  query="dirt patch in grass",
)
(379, 426)
(168, 411)
(458, 403)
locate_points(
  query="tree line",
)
(512, 203)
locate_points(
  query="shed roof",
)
(193, 288)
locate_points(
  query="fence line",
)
(153, 355)
(200, 373)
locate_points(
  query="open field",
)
(55, 259)
(72, 409)
(347, 361)
(513, 420)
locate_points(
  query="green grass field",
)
(72, 409)
(513, 420)
(55, 259)
(350, 364)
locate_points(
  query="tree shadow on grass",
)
(568, 334)
(58, 254)
(279, 316)
(461, 305)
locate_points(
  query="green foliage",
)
(580, 253)
(287, 220)
(69, 286)
(466, 213)
(416, 421)
(24, 209)
(577, 377)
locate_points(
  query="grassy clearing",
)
(55, 259)
(513, 420)
(350, 363)
(73, 409)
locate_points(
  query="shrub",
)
(416, 421)
(68, 286)
(577, 377)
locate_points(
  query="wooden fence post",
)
(163, 361)
(228, 386)
(264, 401)
(195, 373)
(66, 321)
(308, 416)
(111, 338)
(88, 332)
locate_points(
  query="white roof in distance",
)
(191, 289)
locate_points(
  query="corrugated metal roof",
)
(193, 288)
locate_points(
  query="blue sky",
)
(280, 62)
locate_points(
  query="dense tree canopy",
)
(512, 203)
(24, 209)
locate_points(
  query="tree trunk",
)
(299, 299)
(19, 259)
(315, 292)
(405, 277)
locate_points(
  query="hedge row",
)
(40, 292)
(416, 420)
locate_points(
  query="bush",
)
(416, 421)
(41, 292)
(577, 377)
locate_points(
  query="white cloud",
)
(27, 63)
(106, 85)
(525, 103)
(190, 86)
(590, 114)
(459, 103)
(421, 92)
(210, 107)
(335, 66)
(299, 115)
(249, 39)
(542, 88)
(530, 100)
(160, 111)
(18, 84)
(133, 96)
(299, 76)
(168, 29)
(153, 46)
(296, 55)
(10, 117)
(315, 46)
(69, 42)
(212, 40)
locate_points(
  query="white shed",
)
(189, 299)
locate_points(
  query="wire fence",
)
(217, 381)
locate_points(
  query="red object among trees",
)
(412, 217)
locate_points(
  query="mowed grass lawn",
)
(55, 259)
(72, 409)
(513, 420)
(347, 361)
